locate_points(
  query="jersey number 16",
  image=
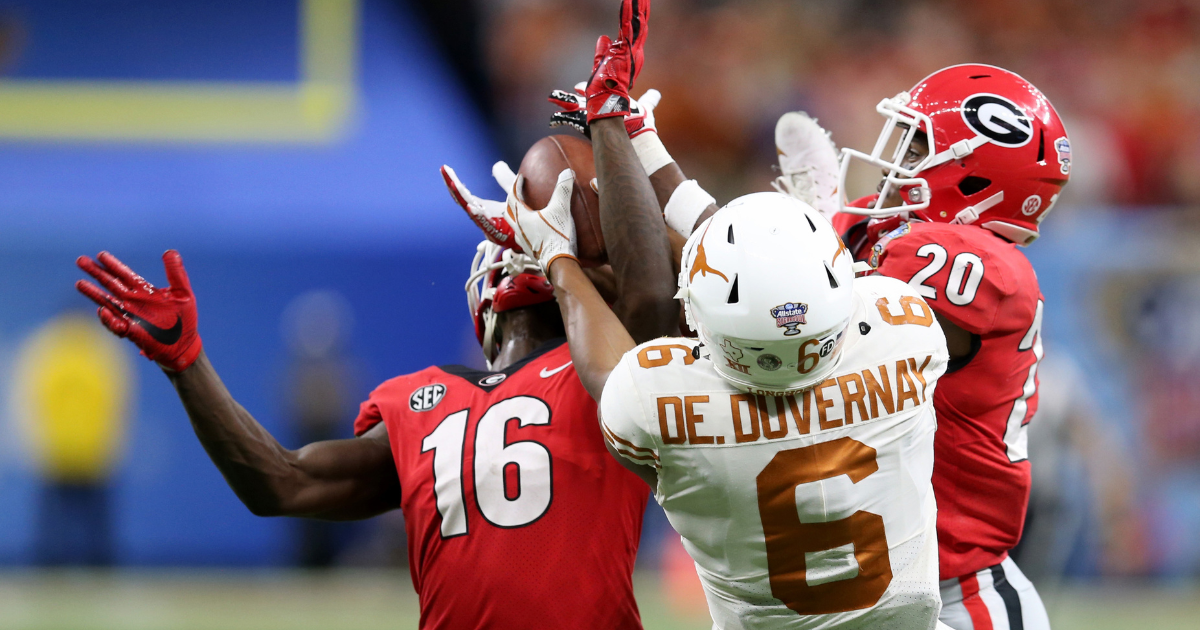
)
(534, 487)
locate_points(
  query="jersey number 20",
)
(789, 540)
(492, 458)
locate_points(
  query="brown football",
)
(541, 166)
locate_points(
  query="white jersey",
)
(812, 510)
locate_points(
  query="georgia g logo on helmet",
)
(997, 119)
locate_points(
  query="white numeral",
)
(447, 442)
(1016, 434)
(493, 455)
(959, 293)
(939, 260)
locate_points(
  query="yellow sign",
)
(316, 109)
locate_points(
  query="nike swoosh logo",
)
(548, 373)
(165, 336)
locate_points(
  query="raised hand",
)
(486, 213)
(573, 111)
(549, 233)
(617, 63)
(161, 322)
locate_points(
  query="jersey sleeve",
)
(623, 419)
(964, 273)
(368, 416)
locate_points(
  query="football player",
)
(979, 161)
(791, 444)
(503, 474)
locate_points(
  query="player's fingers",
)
(562, 190)
(504, 175)
(634, 15)
(116, 324)
(458, 192)
(101, 275)
(566, 100)
(95, 294)
(603, 43)
(650, 99)
(121, 270)
(177, 276)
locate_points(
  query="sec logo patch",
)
(426, 398)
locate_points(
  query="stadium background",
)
(289, 149)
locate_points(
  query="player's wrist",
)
(687, 203)
(651, 151)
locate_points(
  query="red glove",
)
(162, 322)
(618, 63)
(487, 214)
(573, 111)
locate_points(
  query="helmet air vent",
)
(972, 184)
(730, 236)
(833, 283)
(733, 292)
(811, 224)
(980, 76)
(1042, 146)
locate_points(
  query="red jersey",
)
(985, 285)
(516, 514)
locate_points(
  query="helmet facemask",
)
(491, 266)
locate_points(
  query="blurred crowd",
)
(1122, 73)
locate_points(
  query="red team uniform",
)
(507, 487)
(997, 159)
(986, 286)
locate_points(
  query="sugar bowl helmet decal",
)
(790, 316)
(1062, 147)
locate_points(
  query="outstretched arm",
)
(635, 235)
(594, 333)
(335, 480)
(596, 338)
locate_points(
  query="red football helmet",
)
(998, 152)
(502, 280)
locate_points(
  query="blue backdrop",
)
(363, 213)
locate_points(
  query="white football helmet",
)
(767, 285)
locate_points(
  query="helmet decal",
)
(700, 264)
(1062, 146)
(790, 316)
(1032, 204)
(998, 119)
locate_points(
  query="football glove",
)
(487, 214)
(573, 104)
(549, 233)
(161, 322)
(617, 64)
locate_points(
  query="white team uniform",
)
(813, 510)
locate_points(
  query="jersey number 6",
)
(493, 456)
(788, 539)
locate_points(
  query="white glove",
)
(487, 214)
(549, 233)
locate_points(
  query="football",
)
(541, 166)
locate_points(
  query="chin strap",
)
(970, 214)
